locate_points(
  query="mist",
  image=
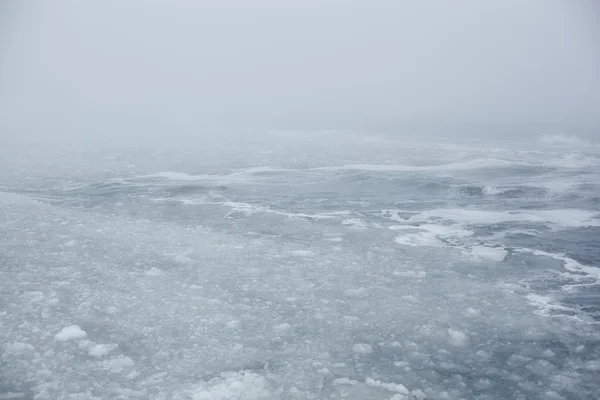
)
(244, 200)
(159, 68)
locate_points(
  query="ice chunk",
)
(410, 274)
(72, 332)
(496, 254)
(302, 253)
(235, 385)
(18, 347)
(362, 348)
(118, 365)
(419, 239)
(358, 293)
(344, 381)
(100, 350)
(282, 328)
(593, 365)
(392, 387)
(354, 223)
(182, 259)
(154, 272)
(457, 338)
(12, 396)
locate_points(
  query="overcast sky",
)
(87, 67)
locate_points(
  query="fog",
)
(79, 69)
(310, 199)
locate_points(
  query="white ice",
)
(71, 332)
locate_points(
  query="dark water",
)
(303, 267)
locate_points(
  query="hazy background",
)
(159, 68)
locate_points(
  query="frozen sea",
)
(300, 266)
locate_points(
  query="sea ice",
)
(72, 332)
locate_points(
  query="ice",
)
(18, 347)
(282, 328)
(362, 348)
(495, 254)
(354, 223)
(284, 269)
(547, 305)
(118, 365)
(243, 385)
(344, 381)
(569, 263)
(302, 253)
(71, 332)
(562, 218)
(419, 239)
(559, 140)
(480, 163)
(457, 338)
(410, 274)
(392, 387)
(12, 396)
(429, 234)
(154, 272)
(358, 293)
(101, 350)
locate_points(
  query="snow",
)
(71, 332)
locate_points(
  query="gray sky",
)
(83, 67)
